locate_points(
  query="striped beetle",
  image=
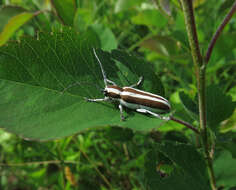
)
(138, 100)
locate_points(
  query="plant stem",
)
(218, 32)
(200, 75)
(185, 124)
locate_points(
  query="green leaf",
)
(182, 38)
(226, 141)
(163, 45)
(122, 5)
(131, 67)
(225, 170)
(225, 6)
(35, 72)
(198, 3)
(176, 137)
(189, 168)
(150, 18)
(190, 106)
(83, 18)
(224, 48)
(66, 10)
(230, 146)
(7, 12)
(230, 124)
(219, 106)
(107, 38)
(119, 134)
(13, 24)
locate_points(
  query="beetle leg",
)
(97, 100)
(138, 83)
(153, 114)
(121, 112)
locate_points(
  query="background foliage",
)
(50, 50)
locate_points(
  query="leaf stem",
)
(218, 32)
(200, 76)
(185, 124)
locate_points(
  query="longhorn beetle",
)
(138, 100)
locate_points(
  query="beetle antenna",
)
(77, 84)
(103, 72)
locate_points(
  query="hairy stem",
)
(200, 75)
(218, 32)
(185, 124)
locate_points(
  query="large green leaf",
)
(189, 168)
(35, 72)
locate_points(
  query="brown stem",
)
(185, 124)
(218, 32)
(200, 70)
(192, 32)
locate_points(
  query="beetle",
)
(132, 98)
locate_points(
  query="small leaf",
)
(150, 18)
(189, 105)
(66, 10)
(7, 12)
(221, 49)
(225, 5)
(163, 45)
(122, 5)
(189, 168)
(107, 38)
(227, 141)
(229, 124)
(182, 38)
(13, 24)
(83, 18)
(230, 146)
(225, 170)
(219, 106)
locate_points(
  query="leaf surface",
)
(35, 75)
(189, 168)
(225, 170)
